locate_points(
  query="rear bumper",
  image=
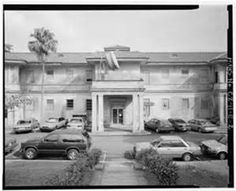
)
(209, 129)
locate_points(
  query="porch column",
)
(100, 113)
(135, 112)
(94, 112)
(141, 123)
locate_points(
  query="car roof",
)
(167, 138)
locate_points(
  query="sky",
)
(200, 30)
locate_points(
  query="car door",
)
(164, 149)
(49, 145)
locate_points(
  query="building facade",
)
(145, 85)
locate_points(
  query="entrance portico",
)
(119, 109)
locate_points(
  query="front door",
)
(117, 116)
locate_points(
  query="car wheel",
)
(222, 155)
(72, 154)
(30, 153)
(187, 157)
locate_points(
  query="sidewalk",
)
(119, 172)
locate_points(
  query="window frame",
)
(188, 104)
(51, 108)
(185, 74)
(67, 104)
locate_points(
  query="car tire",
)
(187, 157)
(72, 154)
(222, 155)
(30, 153)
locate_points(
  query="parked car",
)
(82, 115)
(158, 125)
(10, 144)
(202, 125)
(76, 123)
(215, 120)
(218, 147)
(178, 124)
(26, 125)
(62, 143)
(171, 147)
(53, 123)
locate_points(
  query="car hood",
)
(213, 144)
(75, 124)
(49, 124)
(33, 141)
(22, 125)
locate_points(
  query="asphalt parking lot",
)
(118, 144)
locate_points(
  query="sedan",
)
(218, 148)
(159, 125)
(62, 143)
(76, 123)
(53, 123)
(171, 147)
(178, 124)
(202, 125)
(26, 125)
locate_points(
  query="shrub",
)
(94, 156)
(129, 155)
(77, 173)
(164, 169)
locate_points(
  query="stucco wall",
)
(59, 105)
(176, 109)
(127, 71)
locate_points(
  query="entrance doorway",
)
(117, 116)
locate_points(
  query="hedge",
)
(77, 173)
(164, 170)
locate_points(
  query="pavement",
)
(119, 172)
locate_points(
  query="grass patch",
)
(190, 175)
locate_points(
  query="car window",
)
(23, 122)
(223, 140)
(156, 142)
(179, 121)
(70, 138)
(177, 144)
(76, 121)
(51, 138)
(61, 119)
(165, 144)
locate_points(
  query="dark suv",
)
(61, 142)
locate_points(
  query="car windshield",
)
(223, 140)
(205, 122)
(23, 122)
(179, 121)
(165, 122)
(52, 120)
(76, 121)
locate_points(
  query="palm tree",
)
(42, 45)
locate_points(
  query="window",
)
(146, 108)
(69, 73)
(51, 138)
(177, 144)
(165, 104)
(185, 103)
(184, 72)
(69, 103)
(165, 73)
(50, 74)
(88, 104)
(216, 77)
(89, 75)
(50, 104)
(204, 104)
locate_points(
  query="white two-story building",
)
(146, 84)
